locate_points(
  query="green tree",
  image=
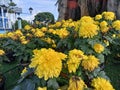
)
(46, 17)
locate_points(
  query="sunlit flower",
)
(104, 29)
(98, 17)
(86, 19)
(58, 24)
(62, 33)
(90, 63)
(47, 63)
(76, 83)
(74, 59)
(116, 25)
(109, 15)
(98, 48)
(39, 33)
(101, 84)
(42, 88)
(43, 29)
(88, 30)
(1, 52)
(27, 27)
(103, 24)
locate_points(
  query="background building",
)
(5, 22)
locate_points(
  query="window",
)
(1, 23)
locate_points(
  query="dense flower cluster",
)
(90, 63)
(76, 83)
(109, 15)
(116, 24)
(47, 63)
(74, 59)
(101, 84)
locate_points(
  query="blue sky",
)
(38, 6)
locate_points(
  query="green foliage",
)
(23, 22)
(44, 17)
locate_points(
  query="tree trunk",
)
(88, 7)
(62, 9)
(114, 6)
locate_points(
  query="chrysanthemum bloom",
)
(86, 19)
(98, 17)
(1, 52)
(98, 48)
(74, 59)
(47, 63)
(62, 33)
(88, 30)
(43, 29)
(76, 83)
(116, 25)
(27, 27)
(103, 24)
(109, 15)
(12, 35)
(101, 84)
(40, 88)
(18, 33)
(2, 35)
(58, 24)
(104, 29)
(90, 63)
(39, 33)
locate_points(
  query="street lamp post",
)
(30, 10)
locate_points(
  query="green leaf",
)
(26, 85)
(101, 58)
(53, 83)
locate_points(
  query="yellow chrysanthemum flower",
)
(116, 25)
(43, 29)
(74, 59)
(76, 83)
(101, 84)
(12, 35)
(90, 63)
(103, 24)
(109, 15)
(104, 29)
(62, 33)
(76, 53)
(40, 88)
(98, 17)
(1, 52)
(18, 33)
(88, 30)
(39, 33)
(98, 48)
(58, 24)
(27, 27)
(48, 63)
(86, 19)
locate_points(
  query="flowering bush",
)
(67, 55)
